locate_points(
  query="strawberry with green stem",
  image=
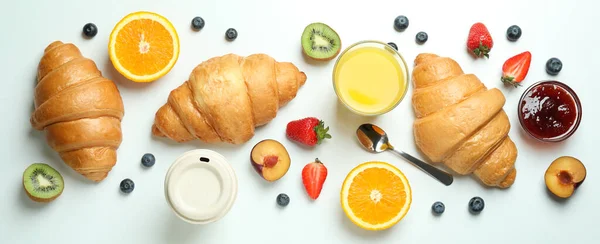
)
(480, 41)
(308, 131)
(515, 69)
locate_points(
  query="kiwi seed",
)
(320, 42)
(42, 183)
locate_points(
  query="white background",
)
(99, 213)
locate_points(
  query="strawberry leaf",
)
(321, 132)
(482, 50)
(509, 80)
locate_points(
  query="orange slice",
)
(375, 195)
(143, 46)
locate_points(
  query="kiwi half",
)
(320, 42)
(42, 183)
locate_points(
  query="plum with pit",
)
(564, 175)
(270, 159)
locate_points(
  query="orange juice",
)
(370, 78)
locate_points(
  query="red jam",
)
(548, 111)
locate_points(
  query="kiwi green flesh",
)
(320, 41)
(42, 181)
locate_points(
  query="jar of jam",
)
(549, 111)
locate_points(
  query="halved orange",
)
(143, 46)
(375, 195)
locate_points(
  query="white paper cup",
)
(201, 186)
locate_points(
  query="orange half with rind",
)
(376, 195)
(143, 46)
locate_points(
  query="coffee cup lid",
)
(201, 186)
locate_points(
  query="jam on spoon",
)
(550, 111)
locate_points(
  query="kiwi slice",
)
(320, 42)
(42, 182)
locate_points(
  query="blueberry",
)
(553, 66)
(393, 45)
(401, 23)
(476, 204)
(513, 33)
(127, 186)
(421, 37)
(231, 34)
(283, 199)
(148, 160)
(197, 23)
(438, 207)
(90, 30)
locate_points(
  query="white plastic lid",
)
(201, 186)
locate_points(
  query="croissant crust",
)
(79, 109)
(460, 123)
(226, 97)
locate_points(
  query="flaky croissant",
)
(460, 122)
(226, 97)
(79, 109)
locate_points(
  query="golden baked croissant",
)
(80, 110)
(226, 97)
(460, 122)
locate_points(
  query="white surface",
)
(99, 213)
(201, 192)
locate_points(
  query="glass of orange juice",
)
(370, 78)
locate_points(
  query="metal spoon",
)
(375, 140)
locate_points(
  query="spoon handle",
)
(440, 175)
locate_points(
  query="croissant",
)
(79, 110)
(226, 97)
(461, 123)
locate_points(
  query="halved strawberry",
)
(515, 69)
(313, 177)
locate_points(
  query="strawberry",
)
(308, 131)
(313, 177)
(515, 68)
(480, 41)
